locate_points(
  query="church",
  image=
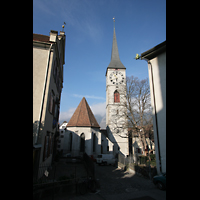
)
(83, 133)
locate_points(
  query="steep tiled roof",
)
(41, 38)
(83, 116)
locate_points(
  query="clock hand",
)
(113, 78)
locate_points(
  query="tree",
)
(138, 106)
(135, 105)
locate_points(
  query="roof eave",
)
(155, 51)
(40, 44)
(113, 68)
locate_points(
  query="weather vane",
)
(63, 26)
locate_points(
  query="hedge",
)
(143, 159)
(153, 156)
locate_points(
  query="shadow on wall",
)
(37, 139)
(78, 145)
(116, 147)
(98, 143)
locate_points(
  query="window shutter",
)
(44, 151)
(116, 97)
(49, 146)
(49, 103)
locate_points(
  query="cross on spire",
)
(114, 21)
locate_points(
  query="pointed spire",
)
(115, 60)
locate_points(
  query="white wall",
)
(40, 58)
(159, 82)
(89, 134)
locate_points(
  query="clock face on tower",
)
(116, 78)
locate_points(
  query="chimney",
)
(62, 33)
(53, 36)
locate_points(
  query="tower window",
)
(116, 97)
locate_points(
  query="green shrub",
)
(143, 159)
(153, 156)
(153, 162)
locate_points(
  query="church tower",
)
(116, 121)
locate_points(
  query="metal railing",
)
(62, 177)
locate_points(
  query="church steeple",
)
(115, 60)
(116, 121)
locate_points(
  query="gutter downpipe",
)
(41, 109)
(156, 119)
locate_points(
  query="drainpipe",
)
(156, 119)
(41, 109)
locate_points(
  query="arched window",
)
(82, 145)
(94, 142)
(70, 140)
(116, 97)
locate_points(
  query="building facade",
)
(156, 58)
(48, 61)
(116, 121)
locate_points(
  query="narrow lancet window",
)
(116, 97)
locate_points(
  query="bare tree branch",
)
(134, 109)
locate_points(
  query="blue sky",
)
(140, 25)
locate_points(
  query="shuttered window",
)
(116, 97)
(48, 146)
(51, 103)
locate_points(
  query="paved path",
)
(119, 185)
